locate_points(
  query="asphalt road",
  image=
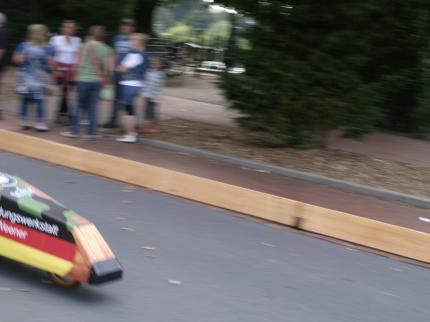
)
(231, 268)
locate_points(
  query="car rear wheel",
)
(63, 281)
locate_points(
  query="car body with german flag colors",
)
(39, 231)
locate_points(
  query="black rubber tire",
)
(63, 282)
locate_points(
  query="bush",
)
(316, 66)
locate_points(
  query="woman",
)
(35, 59)
(66, 48)
(94, 68)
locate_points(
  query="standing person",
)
(95, 64)
(153, 86)
(3, 40)
(66, 47)
(122, 47)
(35, 58)
(132, 69)
(3, 48)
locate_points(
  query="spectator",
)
(132, 69)
(3, 48)
(95, 64)
(3, 40)
(66, 47)
(153, 86)
(122, 47)
(35, 58)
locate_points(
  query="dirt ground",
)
(398, 176)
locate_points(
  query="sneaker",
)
(41, 128)
(69, 135)
(127, 139)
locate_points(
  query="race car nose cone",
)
(105, 271)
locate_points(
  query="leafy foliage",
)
(314, 66)
(188, 20)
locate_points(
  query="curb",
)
(359, 230)
(420, 202)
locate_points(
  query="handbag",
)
(107, 93)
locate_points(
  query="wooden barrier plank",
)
(363, 231)
(378, 235)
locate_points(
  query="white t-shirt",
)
(66, 51)
(130, 61)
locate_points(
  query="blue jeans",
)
(88, 96)
(40, 113)
(128, 96)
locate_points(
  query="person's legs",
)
(150, 110)
(93, 98)
(129, 120)
(40, 115)
(61, 115)
(150, 117)
(112, 123)
(80, 104)
(23, 113)
(1, 90)
(64, 81)
(64, 100)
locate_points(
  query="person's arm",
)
(18, 56)
(78, 53)
(110, 64)
(3, 44)
(115, 53)
(110, 68)
(50, 58)
(130, 61)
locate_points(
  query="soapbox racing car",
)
(39, 231)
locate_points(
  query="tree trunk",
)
(143, 15)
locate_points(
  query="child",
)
(133, 68)
(35, 58)
(153, 86)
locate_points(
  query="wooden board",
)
(382, 236)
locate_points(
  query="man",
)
(122, 47)
(3, 47)
(3, 37)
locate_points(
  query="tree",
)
(217, 34)
(180, 33)
(315, 66)
(144, 12)
(163, 20)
